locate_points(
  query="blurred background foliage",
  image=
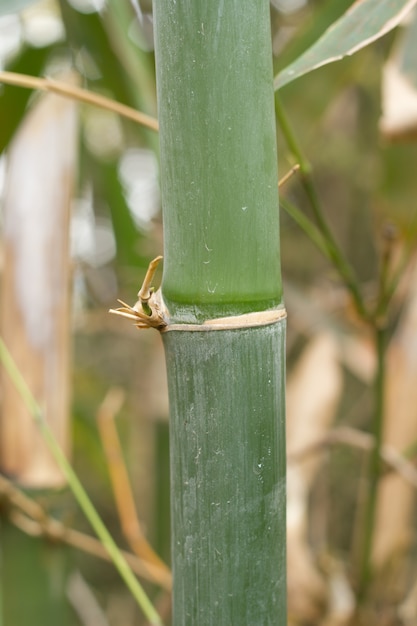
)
(368, 188)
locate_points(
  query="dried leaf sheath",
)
(142, 319)
(149, 311)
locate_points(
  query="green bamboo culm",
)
(218, 157)
(221, 259)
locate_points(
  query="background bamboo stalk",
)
(36, 286)
(313, 392)
(394, 526)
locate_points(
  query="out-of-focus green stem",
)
(305, 224)
(78, 490)
(391, 282)
(324, 239)
(333, 251)
(374, 468)
(411, 451)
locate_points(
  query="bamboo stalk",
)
(34, 312)
(228, 475)
(218, 160)
(225, 376)
(35, 298)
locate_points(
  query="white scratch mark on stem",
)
(212, 289)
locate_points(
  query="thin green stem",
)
(365, 569)
(325, 240)
(305, 224)
(77, 489)
(333, 250)
(410, 451)
(391, 284)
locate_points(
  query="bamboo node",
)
(148, 312)
(247, 320)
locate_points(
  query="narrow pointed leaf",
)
(365, 22)
(408, 65)
(311, 29)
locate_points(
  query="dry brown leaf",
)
(313, 392)
(36, 286)
(396, 498)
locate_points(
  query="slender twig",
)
(333, 250)
(306, 225)
(54, 530)
(359, 440)
(375, 319)
(121, 484)
(77, 488)
(389, 237)
(392, 282)
(77, 93)
(32, 518)
(411, 450)
(288, 175)
(364, 575)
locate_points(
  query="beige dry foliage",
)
(399, 102)
(395, 527)
(313, 392)
(36, 286)
(399, 93)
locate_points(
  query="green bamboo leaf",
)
(365, 22)
(408, 53)
(311, 29)
(14, 6)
